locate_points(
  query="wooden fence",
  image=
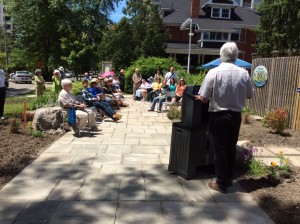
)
(280, 89)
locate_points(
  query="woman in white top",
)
(142, 91)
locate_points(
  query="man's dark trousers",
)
(2, 100)
(224, 130)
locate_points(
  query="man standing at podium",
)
(226, 88)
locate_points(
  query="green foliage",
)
(38, 134)
(46, 100)
(279, 170)
(249, 110)
(21, 60)
(174, 113)
(41, 28)
(148, 30)
(140, 34)
(148, 67)
(118, 45)
(77, 88)
(250, 159)
(276, 120)
(277, 29)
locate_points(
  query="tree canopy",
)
(57, 32)
(140, 34)
(279, 26)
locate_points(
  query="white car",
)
(70, 74)
(22, 76)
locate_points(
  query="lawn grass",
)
(14, 105)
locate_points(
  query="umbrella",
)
(107, 74)
(216, 63)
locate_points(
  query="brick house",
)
(214, 22)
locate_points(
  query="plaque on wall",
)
(260, 76)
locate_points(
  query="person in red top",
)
(179, 90)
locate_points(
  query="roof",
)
(244, 17)
(173, 4)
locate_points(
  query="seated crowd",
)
(156, 92)
(105, 94)
(97, 94)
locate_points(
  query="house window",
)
(236, 36)
(220, 13)
(216, 12)
(215, 36)
(225, 13)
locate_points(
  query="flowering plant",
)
(252, 162)
(281, 169)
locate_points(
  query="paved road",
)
(16, 89)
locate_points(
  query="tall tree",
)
(49, 29)
(279, 26)
(118, 44)
(148, 29)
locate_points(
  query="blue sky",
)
(117, 15)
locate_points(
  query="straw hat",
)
(94, 80)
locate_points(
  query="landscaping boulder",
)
(47, 118)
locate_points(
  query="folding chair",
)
(168, 103)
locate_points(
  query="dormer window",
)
(220, 13)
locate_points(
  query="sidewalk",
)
(119, 175)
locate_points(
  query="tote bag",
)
(72, 117)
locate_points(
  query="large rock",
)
(47, 118)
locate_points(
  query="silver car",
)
(22, 76)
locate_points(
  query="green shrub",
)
(250, 159)
(46, 100)
(148, 67)
(38, 134)
(174, 113)
(277, 120)
(77, 87)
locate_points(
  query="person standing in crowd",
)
(169, 75)
(56, 79)
(2, 93)
(122, 79)
(158, 75)
(39, 82)
(62, 72)
(87, 76)
(226, 88)
(137, 80)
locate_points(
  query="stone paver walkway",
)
(118, 176)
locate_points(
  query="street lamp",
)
(183, 27)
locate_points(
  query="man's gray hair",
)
(65, 82)
(229, 52)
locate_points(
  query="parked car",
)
(70, 74)
(22, 76)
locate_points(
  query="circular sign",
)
(260, 76)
